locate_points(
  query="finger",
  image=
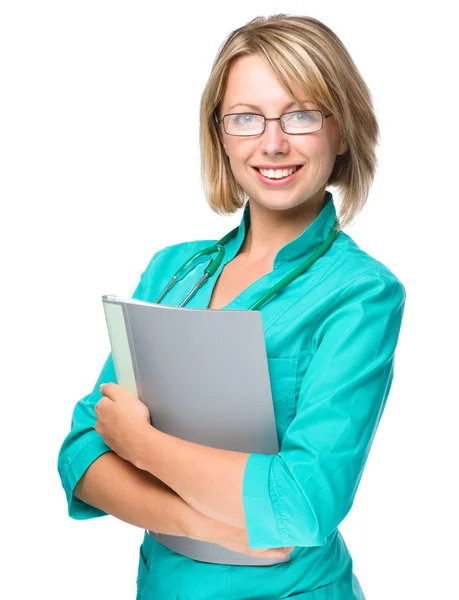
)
(107, 388)
(111, 389)
(103, 403)
(281, 551)
(116, 393)
(271, 553)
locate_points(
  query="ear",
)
(343, 147)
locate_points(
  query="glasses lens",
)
(243, 124)
(302, 121)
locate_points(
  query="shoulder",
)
(355, 268)
(360, 298)
(356, 287)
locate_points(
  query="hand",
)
(122, 420)
(236, 539)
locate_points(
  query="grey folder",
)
(203, 373)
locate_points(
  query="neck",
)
(270, 230)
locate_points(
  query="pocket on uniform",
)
(142, 574)
(325, 592)
(282, 375)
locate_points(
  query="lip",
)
(274, 167)
(277, 182)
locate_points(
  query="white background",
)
(94, 182)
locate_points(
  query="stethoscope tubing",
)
(214, 264)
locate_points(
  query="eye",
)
(302, 116)
(243, 119)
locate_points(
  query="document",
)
(203, 374)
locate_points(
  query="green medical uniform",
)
(331, 337)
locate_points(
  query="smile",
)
(272, 180)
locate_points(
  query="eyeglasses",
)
(297, 122)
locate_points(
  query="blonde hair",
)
(305, 50)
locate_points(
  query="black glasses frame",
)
(217, 121)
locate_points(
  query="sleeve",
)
(83, 444)
(299, 496)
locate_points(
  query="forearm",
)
(118, 488)
(209, 479)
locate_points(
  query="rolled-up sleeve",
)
(83, 444)
(299, 496)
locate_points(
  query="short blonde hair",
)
(305, 50)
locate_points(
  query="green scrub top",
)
(331, 337)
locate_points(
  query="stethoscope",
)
(214, 263)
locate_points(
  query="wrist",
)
(198, 526)
(195, 525)
(144, 448)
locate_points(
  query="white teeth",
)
(277, 173)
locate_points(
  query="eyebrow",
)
(255, 107)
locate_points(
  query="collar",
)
(305, 243)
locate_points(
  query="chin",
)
(280, 204)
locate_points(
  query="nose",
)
(273, 139)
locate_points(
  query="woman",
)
(330, 334)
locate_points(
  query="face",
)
(251, 80)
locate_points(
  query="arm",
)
(116, 487)
(208, 479)
(98, 482)
(302, 494)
